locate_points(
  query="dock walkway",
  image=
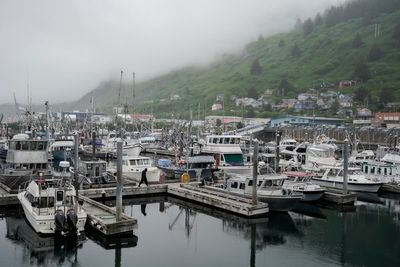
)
(103, 218)
(239, 205)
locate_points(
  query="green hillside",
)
(326, 55)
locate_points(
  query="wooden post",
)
(119, 182)
(345, 164)
(94, 144)
(255, 170)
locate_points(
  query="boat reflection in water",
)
(42, 250)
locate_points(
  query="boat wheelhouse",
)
(228, 155)
(356, 180)
(26, 157)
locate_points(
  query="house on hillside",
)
(347, 83)
(217, 106)
(248, 102)
(387, 119)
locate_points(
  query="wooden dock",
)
(337, 197)
(225, 201)
(390, 188)
(103, 218)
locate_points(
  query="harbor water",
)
(172, 232)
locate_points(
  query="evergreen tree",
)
(281, 43)
(375, 53)
(255, 67)
(357, 42)
(361, 71)
(361, 94)
(308, 27)
(335, 107)
(296, 51)
(252, 93)
(318, 20)
(386, 95)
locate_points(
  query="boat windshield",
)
(233, 159)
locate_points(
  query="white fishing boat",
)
(319, 156)
(227, 153)
(301, 182)
(269, 189)
(384, 172)
(130, 147)
(51, 207)
(26, 156)
(132, 167)
(356, 180)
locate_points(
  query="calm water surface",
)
(174, 233)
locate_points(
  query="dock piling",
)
(119, 182)
(255, 170)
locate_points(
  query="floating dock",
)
(103, 218)
(225, 201)
(337, 197)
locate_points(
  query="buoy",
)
(185, 178)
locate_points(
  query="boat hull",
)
(45, 224)
(357, 187)
(310, 196)
(281, 203)
(153, 175)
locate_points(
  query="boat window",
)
(60, 195)
(379, 170)
(146, 161)
(18, 145)
(226, 140)
(220, 140)
(50, 201)
(40, 146)
(12, 145)
(366, 168)
(372, 170)
(241, 186)
(132, 162)
(29, 196)
(215, 140)
(33, 146)
(267, 183)
(237, 141)
(140, 162)
(232, 141)
(234, 184)
(259, 183)
(250, 183)
(234, 158)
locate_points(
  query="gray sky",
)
(67, 47)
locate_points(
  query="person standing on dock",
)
(144, 178)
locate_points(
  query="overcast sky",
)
(67, 47)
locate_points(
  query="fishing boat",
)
(132, 167)
(51, 206)
(61, 149)
(301, 182)
(356, 180)
(227, 153)
(198, 167)
(26, 157)
(269, 189)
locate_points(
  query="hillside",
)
(326, 55)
